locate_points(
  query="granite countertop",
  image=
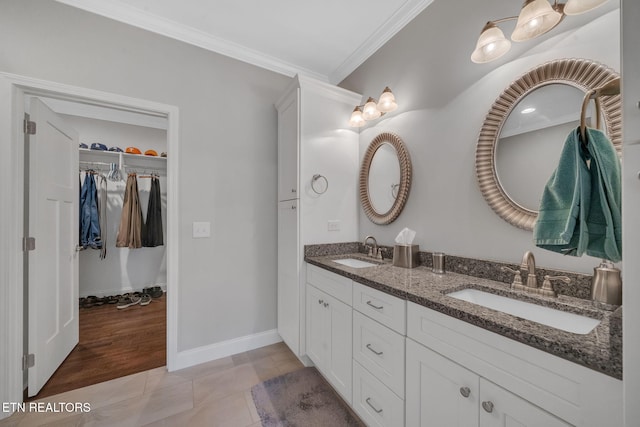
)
(600, 350)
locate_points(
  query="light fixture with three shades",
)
(536, 18)
(371, 109)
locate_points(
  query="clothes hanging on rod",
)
(90, 232)
(152, 231)
(131, 223)
(102, 205)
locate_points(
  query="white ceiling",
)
(325, 39)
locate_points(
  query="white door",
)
(316, 324)
(501, 408)
(288, 265)
(53, 264)
(439, 392)
(339, 362)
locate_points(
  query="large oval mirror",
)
(385, 178)
(523, 134)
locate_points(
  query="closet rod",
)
(95, 163)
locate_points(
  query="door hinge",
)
(28, 361)
(28, 244)
(29, 127)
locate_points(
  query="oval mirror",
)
(524, 132)
(385, 178)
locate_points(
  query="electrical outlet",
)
(201, 230)
(333, 225)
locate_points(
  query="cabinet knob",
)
(465, 391)
(326, 304)
(377, 353)
(293, 207)
(487, 406)
(368, 400)
(293, 190)
(320, 301)
(375, 306)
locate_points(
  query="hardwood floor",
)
(216, 393)
(113, 343)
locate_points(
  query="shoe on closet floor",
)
(145, 299)
(128, 302)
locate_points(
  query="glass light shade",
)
(356, 119)
(576, 7)
(492, 44)
(387, 101)
(536, 18)
(370, 110)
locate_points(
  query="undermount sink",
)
(558, 319)
(354, 263)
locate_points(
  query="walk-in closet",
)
(122, 273)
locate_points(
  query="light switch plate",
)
(201, 230)
(333, 225)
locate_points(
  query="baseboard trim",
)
(187, 358)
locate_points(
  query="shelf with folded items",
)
(126, 162)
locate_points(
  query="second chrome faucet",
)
(374, 252)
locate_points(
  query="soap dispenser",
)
(607, 284)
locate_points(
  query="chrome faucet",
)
(375, 251)
(529, 264)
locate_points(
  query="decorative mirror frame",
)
(405, 178)
(580, 73)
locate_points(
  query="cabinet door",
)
(439, 392)
(501, 408)
(339, 364)
(288, 275)
(288, 135)
(317, 345)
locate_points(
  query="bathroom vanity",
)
(401, 351)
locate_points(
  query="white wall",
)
(123, 269)
(445, 206)
(227, 283)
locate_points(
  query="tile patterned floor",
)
(216, 393)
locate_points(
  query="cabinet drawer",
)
(375, 403)
(380, 350)
(335, 285)
(385, 308)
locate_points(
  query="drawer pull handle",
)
(487, 406)
(368, 400)
(465, 391)
(375, 306)
(377, 353)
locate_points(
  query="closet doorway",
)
(121, 280)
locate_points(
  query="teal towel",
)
(604, 217)
(560, 226)
(580, 210)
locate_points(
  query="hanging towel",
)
(560, 226)
(604, 217)
(130, 229)
(89, 218)
(580, 206)
(152, 233)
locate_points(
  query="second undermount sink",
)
(354, 262)
(558, 319)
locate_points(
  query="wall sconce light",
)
(536, 18)
(371, 109)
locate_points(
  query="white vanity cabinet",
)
(379, 321)
(458, 374)
(328, 327)
(443, 393)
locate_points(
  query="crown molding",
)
(130, 15)
(390, 28)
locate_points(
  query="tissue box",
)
(405, 256)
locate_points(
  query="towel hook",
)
(315, 178)
(610, 88)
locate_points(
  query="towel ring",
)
(315, 178)
(394, 190)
